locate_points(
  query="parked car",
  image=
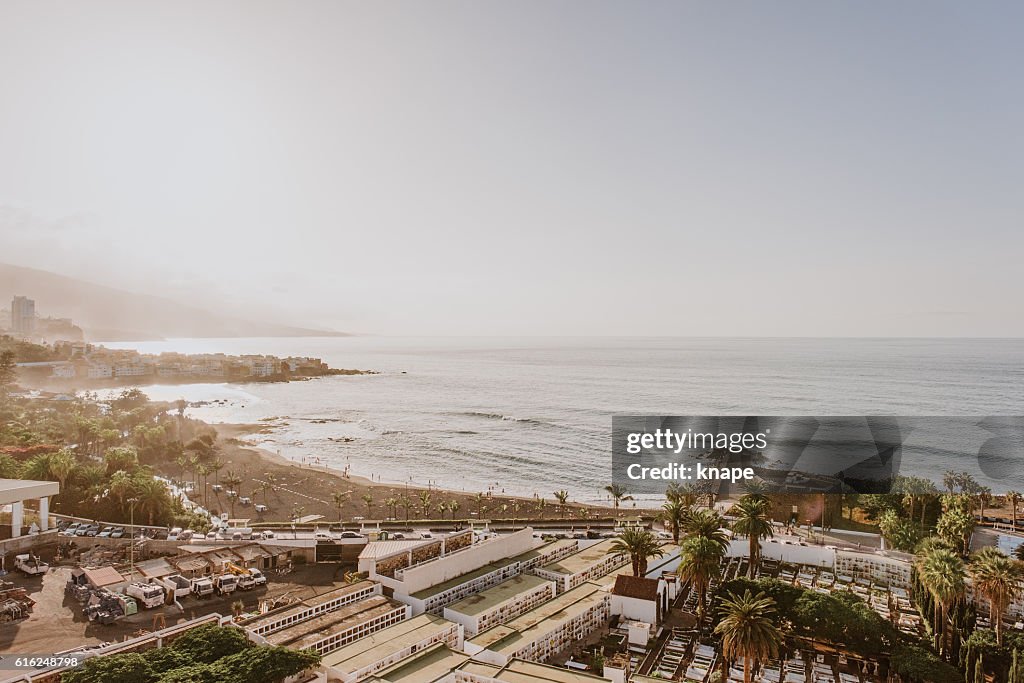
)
(245, 500)
(71, 529)
(118, 532)
(106, 532)
(260, 507)
(350, 534)
(93, 530)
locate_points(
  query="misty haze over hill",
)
(106, 313)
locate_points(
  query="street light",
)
(131, 536)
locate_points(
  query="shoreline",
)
(285, 485)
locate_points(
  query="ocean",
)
(533, 415)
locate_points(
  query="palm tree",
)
(1013, 498)
(700, 563)
(639, 544)
(563, 499)
(368, 499)
(998, 578)
(424, 503)
(753, 520)
(453, 507)
(406, 503)
(391, 503)
(675, 514)
(62, 465)
(748, 630)
(706, 524)
(984, 498)
(340, 498)
(618, 494)
(941, 572)
(478, 501)
(121, 487)
(152, 496)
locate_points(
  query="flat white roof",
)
(17, 490)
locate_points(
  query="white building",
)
(380, 650)
(546, 630)
(500, 604)
(590, 563)
(311, 607)
(336, 629)
(640, 599)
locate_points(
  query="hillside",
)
(108, 314)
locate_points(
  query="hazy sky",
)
(801, 168)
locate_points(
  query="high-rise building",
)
(23, 316)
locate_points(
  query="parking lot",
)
(57, 623)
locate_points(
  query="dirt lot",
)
(57, 623)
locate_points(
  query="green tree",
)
(700, 563)
(1013, 498)
(998, 578)
(674, 514)
(753, 520)
(640, 545)
(618, 494)
(748, 630)
(563, 499)
(707, 524)
(941, 573)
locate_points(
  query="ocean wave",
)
(506, 418)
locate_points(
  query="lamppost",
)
(131, 536)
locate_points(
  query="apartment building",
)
(546, 630)
(310, 608)
(378, 651)
(590, 563)
(336, 629)
(500, 604)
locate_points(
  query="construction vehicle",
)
(149, 595)
(31, 565)
(225, 583)
(247, 578)
(202, 587)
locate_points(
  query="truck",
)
(225, 583)
(177, 585)
(30, 564)
(149, 595)
(258, 577)
(202, 587)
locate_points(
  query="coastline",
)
(285, 485)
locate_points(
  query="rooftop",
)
(302, 606)
(16, 490)
(636, 587)
(503, 592)
(380, 549)
(425, 666)
(380, 645)
(583, 560)
(462, 578)
(306, 633)
(527, 627)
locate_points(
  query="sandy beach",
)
(290, 488)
